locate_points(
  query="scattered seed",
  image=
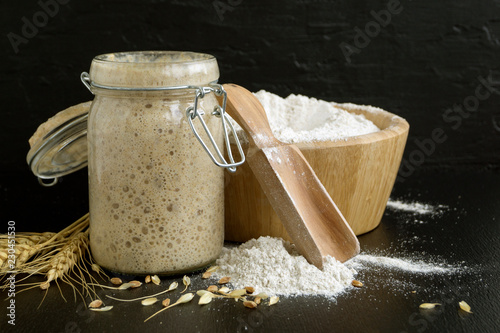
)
(125, 286)
(95, 304)
(202, 292)
(106, 308)
(173, 286)
(428, 305)
(149, 301)
(257, 300)
(464, 306)
(156, 279)
(147, 279)
(250, 304)
(206, 275)
(224, 290)
(263, 295)
(186, 281)
(116, 281)
(273, 300)
(237, 293)
(213, 288)
(183, 299)
(357, 284)
(224, 280)
(135, 284)
(212, 269)
(250, 290)
(413, 291)
(166, 302)
(206, 298)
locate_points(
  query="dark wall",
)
(435, 63)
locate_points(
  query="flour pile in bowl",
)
(300, 118)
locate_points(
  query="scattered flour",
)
(273, 266)
(300, 118)
(408, 265)
(414, 207)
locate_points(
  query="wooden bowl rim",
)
(398, 126)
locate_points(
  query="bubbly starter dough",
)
(156, 198)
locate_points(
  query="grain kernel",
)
(95, 304)
(135, 284)
(428, 305)
(116, 281)
(250, 304)
(250, 290)
(224, 280)
(357, 284)
(149, 301)
(464, 306)
(213, 288)
(156, 279)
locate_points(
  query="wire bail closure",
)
(192, 113)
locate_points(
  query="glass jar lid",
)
(59, 146)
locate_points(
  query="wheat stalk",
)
(69, 255)
(26, 246)
(62, 256)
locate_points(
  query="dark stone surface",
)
(465, 234)
(422, 59)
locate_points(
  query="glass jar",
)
(156, 198)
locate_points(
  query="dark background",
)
(429, 58)
(426, 63)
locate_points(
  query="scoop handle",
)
(252, 119)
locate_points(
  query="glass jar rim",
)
(150, 69)
(154, 57)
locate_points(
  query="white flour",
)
(300, 118)
(408, 265)
(414, 207)
(273, 266)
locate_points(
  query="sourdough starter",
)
(156, 198)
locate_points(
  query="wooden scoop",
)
(311, 218)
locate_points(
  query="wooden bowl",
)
(358, 173)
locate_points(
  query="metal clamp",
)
(192, 113)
